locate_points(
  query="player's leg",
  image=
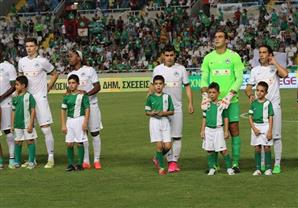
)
(258, 149)
(80, 148)
(44, 119)
(70, 156)
(80, 137)
(32, 152)
(233, 114)
(277, 142)
(69, 140)
(96, 149)
(159, 156)
(19, 133)
(268, 161)
(1, 157)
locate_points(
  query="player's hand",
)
(161, 114)
(190, 108)
(269, 135)
(272, 60)
(84, 127)
(226, 135)
(257, 131)
(251, 98)
(12, 129)
(82, 92)
(30, 129)
(205, 104)
(202, 134)
(224, 104)
(64, 129)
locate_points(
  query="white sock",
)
(49, 139)
(262, 157)
(96, 147)
(177, 144)
(86, 152)
(169, 155)
(277, 151)
(10, 143)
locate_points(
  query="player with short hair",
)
(90, 85)
(36, 69)
(214, 130)
(270, 71)
(225, 67)
(7, 81)
(261, 122)
(22, 121)
(159, 106)
(75, 127)
(175, 76)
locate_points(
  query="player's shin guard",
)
(96, 147)
(277, 151)
(49, 140)
(236, 143)
(159, 157)
(10, 143)
(177, 145)
(86, 152)
(211, 161)
(18, 153)
(81, 154)
(268, 160)
(32, 150)
(227, 159)
(216, 159)
(70, 155)
(258, 160)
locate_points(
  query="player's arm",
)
(31, 122)
(63, 115)
(54, 76)
(189, 98)
(281, 71)
(87, 112)
(226, 124)
(270, 121)
(203, 126)
(238, 72)
(249, 92)
(251, 122)
(205, 103)
(12, 117)
(150, 89)
(8, 92)
(148, 108)
(95, 89)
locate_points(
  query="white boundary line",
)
(245, 115)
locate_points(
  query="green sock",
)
(236, 143)
(18, 153)
(1, 160)
(216, 159)
(31, 148)
(159, 157)
(268, 160)
(258, 160)
(227, 159)
(70, 155)
(81, 154)
(211, 161)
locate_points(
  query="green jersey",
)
(215, 116)
(159, 103)
(22, 106)
(261, 112)
(226, 69)
(75, 104)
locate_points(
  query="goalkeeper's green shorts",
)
(233, 112)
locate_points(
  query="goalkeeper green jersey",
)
(225, 69)
(22, 106)
(75, 104)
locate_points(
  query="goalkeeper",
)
(225, 67)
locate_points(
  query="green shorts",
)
(233, 112)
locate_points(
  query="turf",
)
(128, 178)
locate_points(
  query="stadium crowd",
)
(135, 43)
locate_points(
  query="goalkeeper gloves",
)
(205, 101)
(224, 104)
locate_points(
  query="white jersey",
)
(36, 70)
(88, 77)
(175, 76)
(269, 75)
(7, 74)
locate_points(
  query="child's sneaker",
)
(230, 171)
(276, 169)
(171, 167)
(268, 172)
(212, 171)
(155, 162)
(162, 171)
(1, 166)
(79, 167)
(25, 164)
(257, 173)
(86, 165)
(50, 164)
(97, 165)
(70, 168)
(12, 164)
(31, 165)
(236, 169)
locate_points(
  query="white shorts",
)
(75, 132)
(95, 123)
(160, 130)
(277, 120)
(214, 140)
(5, 118)
(261, 139)
(176, 122)
(23, 135)
(43, 112)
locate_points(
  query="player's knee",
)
(96, 133)
(158, 146)
(258, 148)
(167, 146)
(69, 144)
(31, 141)
(266, 148)
(224, 152)
(234, 129)
(7, 131)
(176, 138)
(46, 129)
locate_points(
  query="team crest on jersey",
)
(176, 74)
(83, 74)
(36, 65)
(228, 61)
(272, 70)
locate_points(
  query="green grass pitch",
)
(128, 178)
